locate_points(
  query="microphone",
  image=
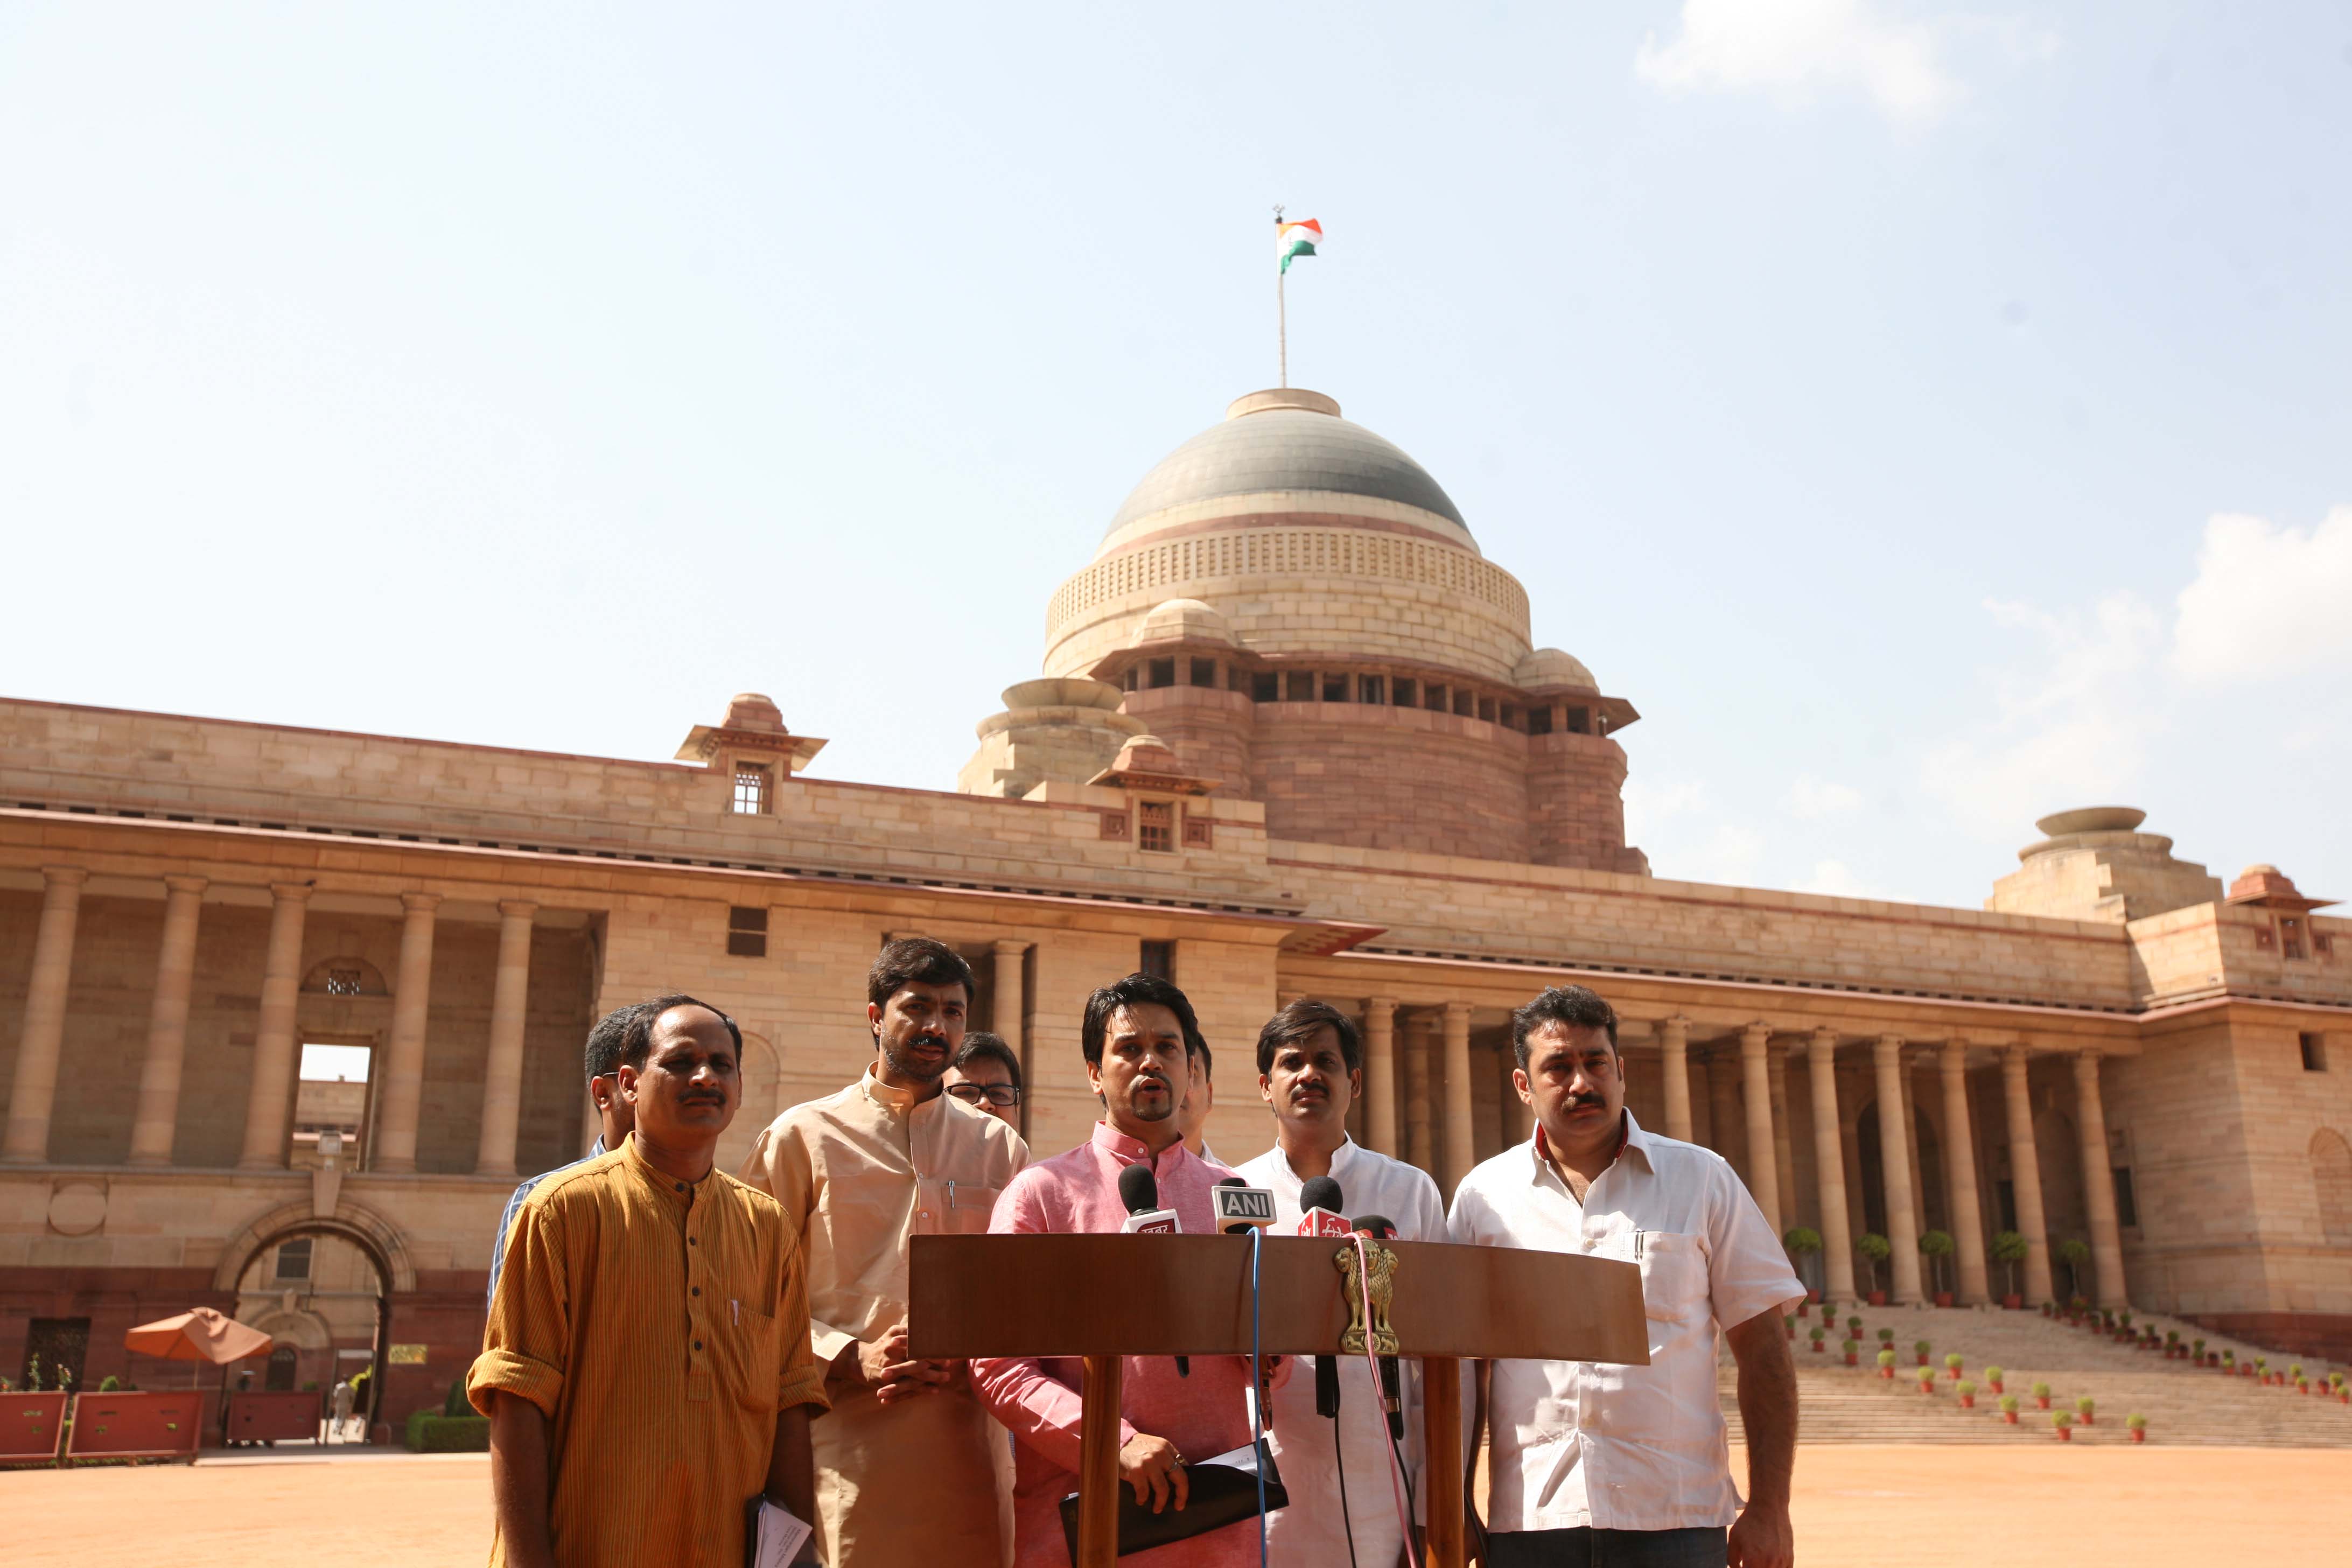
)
(1320, 1208)
(1320, 1213)
(1240, 1206)
(1139, 1189)
(1379, 1227)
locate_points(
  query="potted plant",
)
(1804, 1243)
(1854, 1327)
(1920, 1348)
(2293, 1376)
(2229, 1364)
(2008, 1248)
(1817, 1334)
(2063, 1424)
(1952, 1364)
(2197, 1351)
(2073, 1252)
(1875, 1249)
(2042, 1396)
(1966, 1390)
(1789, 1325)
(2263, 1370)
(1927, 1380)
(1853, 1348)
(1992, 1378)
(2083, 1407)
(1934, 1247)
(2008, 1409)
(2137, 1425)
(2172, 1344)
(1886, 1338)
(1887, 1366)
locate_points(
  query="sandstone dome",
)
(1183, 620)
(1549, 666)
(1287, 441)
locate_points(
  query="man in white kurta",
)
(1310, 1070)
(909, 1469)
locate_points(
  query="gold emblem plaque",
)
(1368, 1300)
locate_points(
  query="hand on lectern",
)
(1155, 1469)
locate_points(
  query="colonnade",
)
(1746, 1085)
(269, 1101)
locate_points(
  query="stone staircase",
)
(2183, 1404)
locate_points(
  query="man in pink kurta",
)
(1134, 1036)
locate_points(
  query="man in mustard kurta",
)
(910, 1469)
(647, 1368)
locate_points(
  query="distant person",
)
(647, 1368)
(907, 1465)
(604, 1060)
(1134, 1036)
(338, 1405)
(1595, 1462)
(986, 1076)
(1311, 1071)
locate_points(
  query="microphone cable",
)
(1257, 1413)
(1400, 1482)
(1339, 1459)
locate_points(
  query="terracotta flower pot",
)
(2066, 1434)
(1817, 1347)
(2088, 1418)
(1853, 1358)
(1923, 1358)
(2042, 1401)
(1953, 1373)
(2138, 1435)
(1887, 1373)
(2013, 1304)
(1968, 1402)
(2010, 1417)
(1995, 1386)
(1878, 1297)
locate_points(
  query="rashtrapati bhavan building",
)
(1290, 738)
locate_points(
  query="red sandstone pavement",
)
(2021, 1506)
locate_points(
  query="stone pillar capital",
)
(1379, 1003)
(187, 884)
(420, 903)
(1458, 1009)
(292, 892)
(1825, 1042)
(2017, 1051)
(1755, 1035)
(1887, 1050)
(64, 876)
(1009, 947)
(1953, 1057)
(518, 909)
(2087, 1060)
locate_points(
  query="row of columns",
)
(1766, 1100)
(1400, 1112)
(277, 1039)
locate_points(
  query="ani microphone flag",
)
(1296, 239)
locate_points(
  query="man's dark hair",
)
(638, 1034)
(1294, 1022)
(980, 1043)
(1569, 1006)
(915, 959)
(1138, 991)
(605, 1040)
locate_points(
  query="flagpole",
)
(1281, 311)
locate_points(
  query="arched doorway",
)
(322, 1287)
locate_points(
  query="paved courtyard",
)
(2035, 1506)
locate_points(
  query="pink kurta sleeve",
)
(1039, 1409)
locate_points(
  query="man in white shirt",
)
(1310, 1070)
(1630, 1464)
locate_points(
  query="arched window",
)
(346, 977)
(2331, 1173)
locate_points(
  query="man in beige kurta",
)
(910, 1471)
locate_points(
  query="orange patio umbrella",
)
(199, 1334)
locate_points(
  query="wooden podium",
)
(1102, 1297)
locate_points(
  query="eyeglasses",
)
(1004, 1096)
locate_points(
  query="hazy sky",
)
(1929, 418)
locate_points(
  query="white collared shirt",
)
(1312, 1529)
(1626, 1448)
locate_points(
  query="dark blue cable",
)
(1257, 1414)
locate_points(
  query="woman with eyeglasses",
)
(986, 1076)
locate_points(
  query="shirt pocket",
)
(754, 1356)
(948, 1207)
(1675, 1287)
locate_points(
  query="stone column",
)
(34, 1090)
(157, 1118)
(1784, 1155)
(1895, 1167)
(1380, 1074)
(2099, 1183)
(1417, 1151)
(270, 1096)
(1461, 1144)
(1674, 1061)
(1911, 1132)
(502, 1073)
(2025, 1174)
(1008, 1005)
(1724, 1117)
(1763, 1168)
(403, 1076)
(1829, 1166)
(1960, 1175)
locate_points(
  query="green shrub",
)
(108, 1383)
(1967, 1386)
(1928, 1375)
(1886, 1336)
(1802, 1239)
(455, 1404)
(1886, 1358)
(2041, 1391)
(1854, 1327)
(1992, 1375)
(1818, 1333)
(1920, 1347)
(431, 1434)
(1955, 1360)
(2085, 1406)
(2135, 1422)
(2009, 1403)
(2061, 1418)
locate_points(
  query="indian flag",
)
(1294, 239)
